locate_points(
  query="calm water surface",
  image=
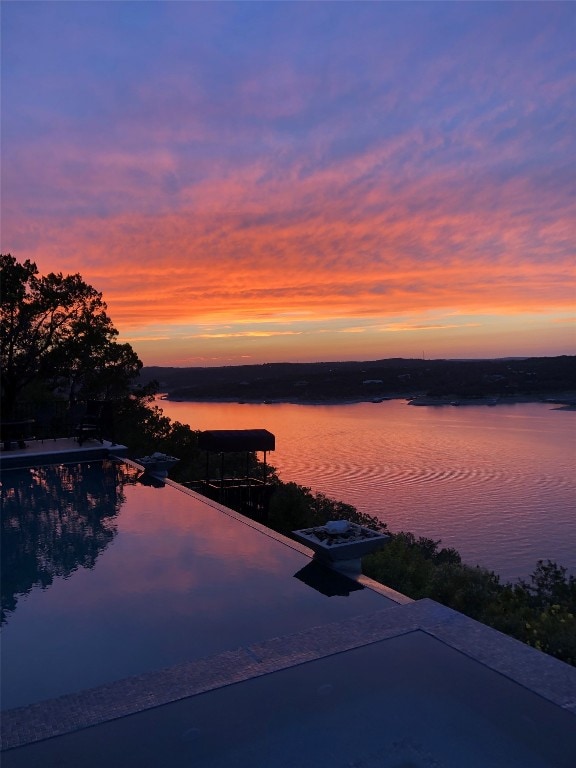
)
(104, 577)
(497, 483)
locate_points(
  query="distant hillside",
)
(305, 382)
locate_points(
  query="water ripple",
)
(359, 474)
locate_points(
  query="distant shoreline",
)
(419, 382)
(563, 402)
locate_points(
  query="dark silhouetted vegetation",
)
(56, 336)
(465, 380)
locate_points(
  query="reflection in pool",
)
(55, 519)
(110, 578)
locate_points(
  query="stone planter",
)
(340, 541)
(158, 464)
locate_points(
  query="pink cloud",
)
(250, 249)
(433, 179)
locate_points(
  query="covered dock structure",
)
(248, 491)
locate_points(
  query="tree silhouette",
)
(55, 329)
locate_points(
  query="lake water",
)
(497, 483)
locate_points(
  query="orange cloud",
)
(242, 334)
(283, 200)
(419, 249)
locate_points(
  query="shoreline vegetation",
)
(565, 401)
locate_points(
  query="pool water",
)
(105, 577)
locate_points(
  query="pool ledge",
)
(59, 451)
(539, 673)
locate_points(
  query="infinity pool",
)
(104, 578)
(225, 646)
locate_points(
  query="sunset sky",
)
(282, 181)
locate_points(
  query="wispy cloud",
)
(243, 334)
(236, 164)
(399, 327)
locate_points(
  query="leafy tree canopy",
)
(55, 329)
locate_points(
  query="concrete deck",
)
(540, 674)
(60, 450)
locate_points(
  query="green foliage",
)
(549, 584)
(467, 589)
(294, 506)
(408, 564)
(553, 631)
(291, 508)
(549, 610)
(550, 627)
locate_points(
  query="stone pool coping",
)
(61, 450)
(541, 674)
